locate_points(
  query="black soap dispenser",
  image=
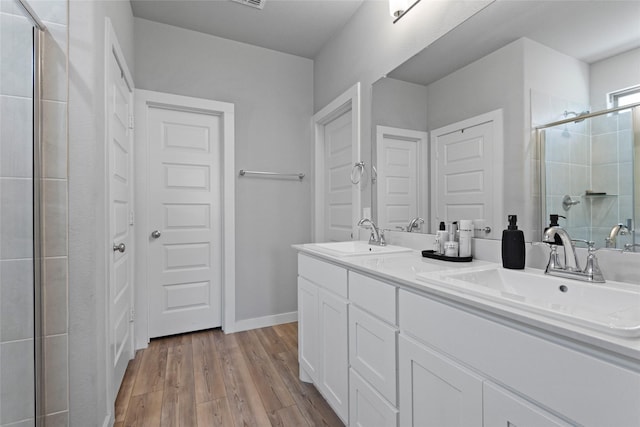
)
(513, 253)
(553, 221)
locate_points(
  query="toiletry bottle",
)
(441, 237)
(513, 253)
(466, 232)
(553, 221)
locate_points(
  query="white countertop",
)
(401, 269)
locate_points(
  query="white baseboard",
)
(263, 322)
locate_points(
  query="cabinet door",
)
(503, 409)
(372, 351)
(435, 391)
(308, 351)
(366, 407)
(334, 362)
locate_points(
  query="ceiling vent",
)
(258, 4)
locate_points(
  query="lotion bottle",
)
(513, 251)
(441, 237)
(466, 232)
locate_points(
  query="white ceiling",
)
(589, 30)
(297, 27)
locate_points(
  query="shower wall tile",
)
(625, 120)
(55, 296)
(16, 381)
(16, 150)
(605, 178)
(607, 123)
(604, 148)
(54, 142)
(16, 222)
(15, 45)
(625, 183)
(54, 73)
(579, 180)
(56, 374)
(25, 423)
(580, 150)
(16, 300)
(60, 419)
(55, 218)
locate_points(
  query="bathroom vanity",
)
(391, 339)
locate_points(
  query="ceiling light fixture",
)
(399, 8)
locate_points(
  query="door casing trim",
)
(143, 100)
(348, 101)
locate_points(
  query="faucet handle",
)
(590, 243)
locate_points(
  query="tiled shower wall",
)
(16, 330)
(612, 169)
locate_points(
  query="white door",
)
(467, 172)
(338, 221)
(184, 220)
(435, 391)
(338, 181)
(119, 136)
(400, 164)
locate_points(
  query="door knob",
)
(120, 248)
(155, 234)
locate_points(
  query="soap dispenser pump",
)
(513, 251)
(553, 222)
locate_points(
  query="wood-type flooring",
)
(207, 378)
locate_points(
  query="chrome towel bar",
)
(292, 175)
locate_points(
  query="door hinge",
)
(131, 122)
(131, 216)
(132, 315)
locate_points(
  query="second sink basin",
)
(611, 307)
(354, 248)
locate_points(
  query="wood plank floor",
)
(207, 379)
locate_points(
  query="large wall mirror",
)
(519, 65)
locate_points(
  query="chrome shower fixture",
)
(583, 113)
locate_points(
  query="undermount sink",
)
(354, 248)
(611, 307)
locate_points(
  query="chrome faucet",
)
(377, 235)
(415, 223)
(570, 269)
(620, 229)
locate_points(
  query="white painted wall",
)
(399, 104)
(370, 46)
(272, 93)
(89, 403)
(611, 74)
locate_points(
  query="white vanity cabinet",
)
(548, 375)
(385, 352)
(323, 330)
(373, 338)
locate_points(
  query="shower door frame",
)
(37, 32)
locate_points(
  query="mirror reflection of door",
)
(401, 189)
(467, 165)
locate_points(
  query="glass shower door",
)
(19, 225)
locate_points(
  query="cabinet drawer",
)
(372, 351)
(322, 273)
(374, 296)
(366, 407)
(502, 408)
(574, 383)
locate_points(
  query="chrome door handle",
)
(119, 248)
(155, 234)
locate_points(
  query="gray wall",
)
(89, 403)
(370, 46)
(273, 97)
